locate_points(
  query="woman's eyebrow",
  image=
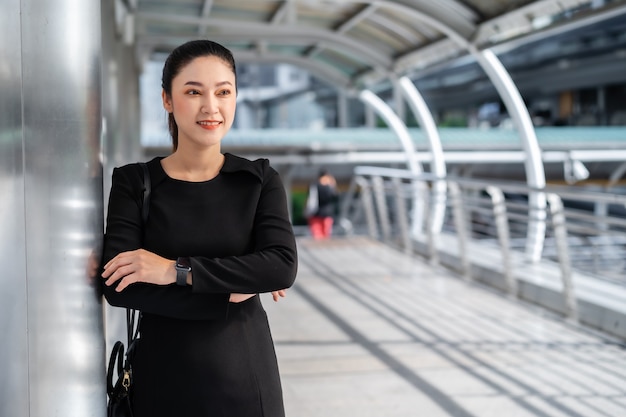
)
(199, 84)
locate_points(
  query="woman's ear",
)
(167, 101)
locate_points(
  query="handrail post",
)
(502, 228)
(368, 206)
(378, 187)
(431, 232)
(459, 222)
(402, 216)
(347, 200)
(560, 235)
(381, 204)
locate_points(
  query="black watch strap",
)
(183, 267)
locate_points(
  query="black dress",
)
(199, 355)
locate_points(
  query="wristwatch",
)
(183, 267)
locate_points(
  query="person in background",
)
(321, 213)
(217, 235)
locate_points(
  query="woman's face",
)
(203, 102)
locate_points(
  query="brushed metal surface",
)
(13, 305)
(51, 209)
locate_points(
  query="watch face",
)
(183, 263)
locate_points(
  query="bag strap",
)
(147, 186)
(116, 358)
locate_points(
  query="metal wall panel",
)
(13, 306)
(51, 223)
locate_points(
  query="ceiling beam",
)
(280, 14)
(345, 26)
(288, 35)
(206, 11)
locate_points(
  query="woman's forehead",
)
(207, 67)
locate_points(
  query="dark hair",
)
(183, 55)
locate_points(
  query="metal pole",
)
(368, 206)
(402, 216)
(502, 227)
(381, 204)
(560, 234)
(461, 231)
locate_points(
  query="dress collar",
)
(232, 164)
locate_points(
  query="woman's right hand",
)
(138, 266)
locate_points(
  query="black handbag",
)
(120, 393)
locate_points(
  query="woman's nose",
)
(208, 106)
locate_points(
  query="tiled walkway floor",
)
(369, 332)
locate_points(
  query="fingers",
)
(125, 282)
(114, 264)
(276, 295)
(135, 266)
(124, 274)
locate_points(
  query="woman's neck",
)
(193, 166)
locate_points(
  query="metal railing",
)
(585, 230)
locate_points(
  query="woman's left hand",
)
(139, 266)
(276, 295)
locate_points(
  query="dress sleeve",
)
(271, 264)
(124, 232)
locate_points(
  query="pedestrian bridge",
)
(369, 330)
(500, 300)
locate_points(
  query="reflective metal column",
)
(52, 354)
(14, 345)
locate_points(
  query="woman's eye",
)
(193, 92)
(223, 93)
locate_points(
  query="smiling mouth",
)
(211, 123)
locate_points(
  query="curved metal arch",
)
(397, 125)
(517, 110)
(535, 174)
(438, 165)
(432, 13)
(459, 35)
(400, 129)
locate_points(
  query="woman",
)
(217, 235)
(321, 219)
